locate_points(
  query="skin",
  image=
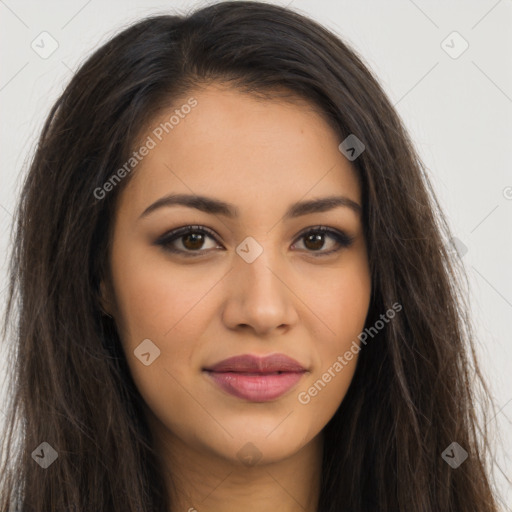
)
(261, 156)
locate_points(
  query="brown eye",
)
(191, 239)
(314, 242)
(315, 239)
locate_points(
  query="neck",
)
(202, 481)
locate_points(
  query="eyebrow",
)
(218, 207)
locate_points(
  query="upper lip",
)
(257, 364)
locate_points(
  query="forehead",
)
(254, 152)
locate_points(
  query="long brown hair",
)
(417, 384)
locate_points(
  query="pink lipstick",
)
(257, 379)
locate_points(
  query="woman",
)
(233, 289)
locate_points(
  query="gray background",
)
(458, 111)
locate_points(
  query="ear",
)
(105, 299)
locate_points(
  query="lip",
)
(248, 363)
(257, 379)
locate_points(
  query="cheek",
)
(348, 312)
(157, 304)
(154, 296)
(164, 307)
(340, 300)
(337, 345)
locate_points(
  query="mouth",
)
(256, 379)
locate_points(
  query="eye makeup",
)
(198, 234)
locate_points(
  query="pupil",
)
(197, 241)
(317, 240)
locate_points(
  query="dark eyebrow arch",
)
(217, 207)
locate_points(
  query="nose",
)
(259, 296)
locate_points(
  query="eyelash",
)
(165, 240)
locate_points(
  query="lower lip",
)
(254, 387)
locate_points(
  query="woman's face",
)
(260, 282)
